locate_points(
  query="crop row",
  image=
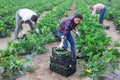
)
(93, 45)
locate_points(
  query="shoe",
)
(101, 21)
(78, 57)
(107, 27)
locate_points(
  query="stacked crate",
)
(62, 62)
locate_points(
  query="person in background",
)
(64, 32)
(98, 7)
(27, 16)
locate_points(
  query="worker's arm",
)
(94, 12)
(20, 24)
(60, 46)
(76, 31)
(62, 39)
(21, 27)
(36, 25)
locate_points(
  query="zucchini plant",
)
(3, 29)
(93, 45)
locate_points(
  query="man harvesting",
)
(27, 16)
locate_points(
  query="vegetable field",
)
(98, 47)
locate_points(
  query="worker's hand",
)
(37, 30)
(23, 32)
(16, 41)
(77, 33)
(60, 46)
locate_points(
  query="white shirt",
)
(26, 14)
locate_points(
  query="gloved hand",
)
(16, 41)
(77, 33)
(23, 32)
(37, 30)
(60, 46)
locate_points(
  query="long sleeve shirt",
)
(97, 7)
(66, 26)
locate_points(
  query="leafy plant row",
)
(93, 45)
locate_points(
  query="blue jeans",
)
(102, 12)
(69, 38)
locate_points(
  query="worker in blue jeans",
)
(64, 32)
(98, 7)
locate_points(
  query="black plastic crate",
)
(62, 70)
(66, 63)
(61, 54)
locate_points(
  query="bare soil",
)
(112, 32)
(3, 41)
